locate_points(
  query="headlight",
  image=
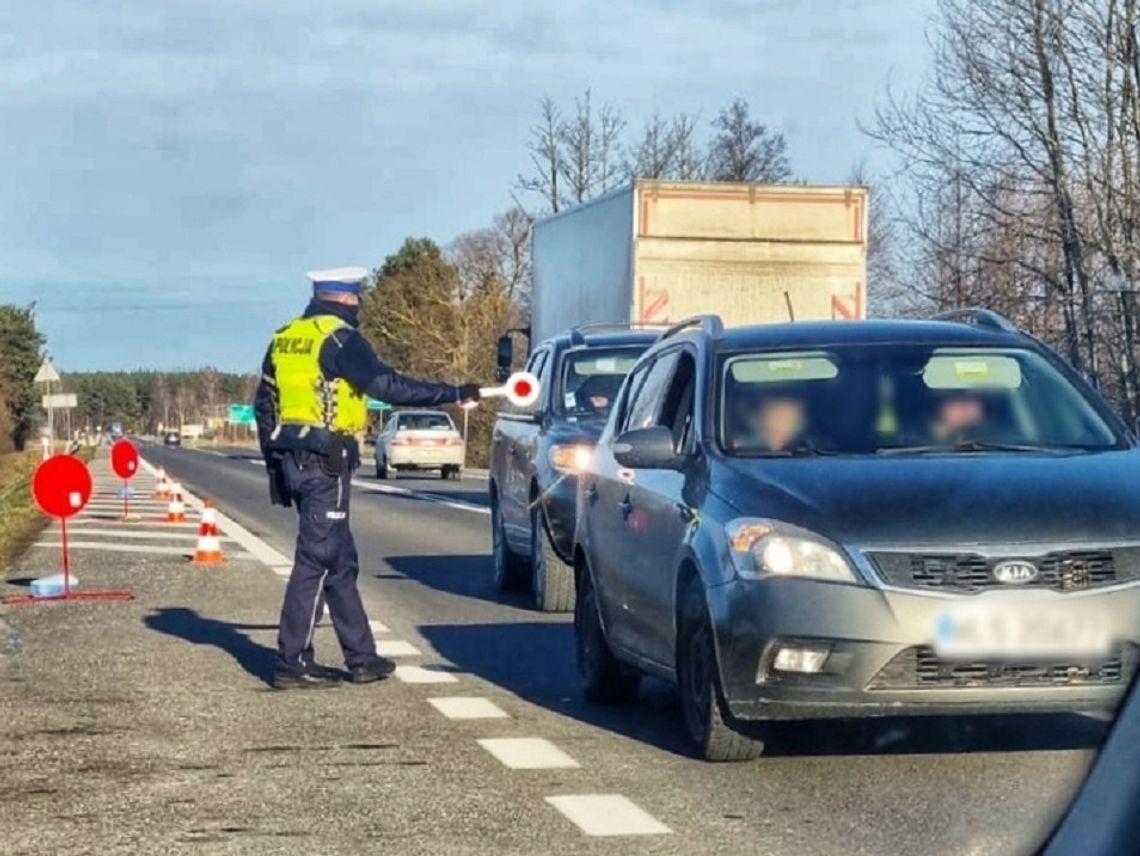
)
(571, 458)
(768, 548)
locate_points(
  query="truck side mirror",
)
(504, 358)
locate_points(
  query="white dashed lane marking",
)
(607, 815)
(396, 648)
(528, 753)
(377, 627)
(424, 675)
(467, 707)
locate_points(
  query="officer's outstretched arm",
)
(350, 356)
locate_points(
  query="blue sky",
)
(171, 169)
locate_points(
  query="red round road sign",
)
(61, 485)
(124, 459)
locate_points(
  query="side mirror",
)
(504, 358)
(646, 449)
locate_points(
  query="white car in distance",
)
(419, 440)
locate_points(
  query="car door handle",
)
(626, 507)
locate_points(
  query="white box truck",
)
(658, 251)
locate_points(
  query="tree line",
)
(1019, 186)
(144, 400)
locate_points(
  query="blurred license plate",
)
(1032, 632)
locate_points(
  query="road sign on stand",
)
(241, 414)
(60, 401)
(46, 373)
(373, 404)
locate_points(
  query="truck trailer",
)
(659, 251)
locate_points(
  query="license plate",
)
(991, 632)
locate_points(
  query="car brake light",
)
(454, 441)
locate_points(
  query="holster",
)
(278, 490)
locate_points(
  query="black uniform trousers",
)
(325, 568)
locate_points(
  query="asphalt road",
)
(900, 786)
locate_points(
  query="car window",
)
(426, 422)
(895, 398)
(589, 379)
(676, 412)
(646, 403)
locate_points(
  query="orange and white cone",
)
(162, 486)
(209, 549)
(175, 510)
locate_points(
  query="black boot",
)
(312, 678)
(374, 670)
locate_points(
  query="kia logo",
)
(1015, 572)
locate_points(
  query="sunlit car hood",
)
(957, 499)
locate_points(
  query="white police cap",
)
(338, 279)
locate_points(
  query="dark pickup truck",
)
(536, 452)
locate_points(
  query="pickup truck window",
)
(591, 377)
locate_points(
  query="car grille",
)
(1071, 570)
(920, 668)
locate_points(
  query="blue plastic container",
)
(51, 586)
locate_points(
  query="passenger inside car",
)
(596, 392)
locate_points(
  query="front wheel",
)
(552, 580)
(604, 680)
(698, 677)
(508, 570)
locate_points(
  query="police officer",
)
(310, 404)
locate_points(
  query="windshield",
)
(903, 399)
(424, 422)
(591, 378)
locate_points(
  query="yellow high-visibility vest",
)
(304, 395)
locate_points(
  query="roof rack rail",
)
(978, 317)
(576, 333)
(709, 324)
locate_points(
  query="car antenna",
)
(788, 301)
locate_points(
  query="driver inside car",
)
(596, 393)
(959, 413)
(775, 423)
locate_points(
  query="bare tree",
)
(545, 149)
(746, 150)
(495, 257)
(666, 149)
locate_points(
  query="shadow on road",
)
(187, 624)
(465, 575)
(535, 660)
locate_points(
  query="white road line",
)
(424, 675)
(528, 753)
(396, 648)
(160, 549)
(437, 499)
(283, 570)
(377, 627)
(91, 532)
(86, 521)
(467, 707)
(607, 815)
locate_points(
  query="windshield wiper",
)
(803, 450)
(977, 446)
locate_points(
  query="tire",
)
(698, 679)
(604, 680)
(383, 471)
(552, 580)
(508, 571)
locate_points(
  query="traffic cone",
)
(209, 549)
(175, 511)
(162, 486)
